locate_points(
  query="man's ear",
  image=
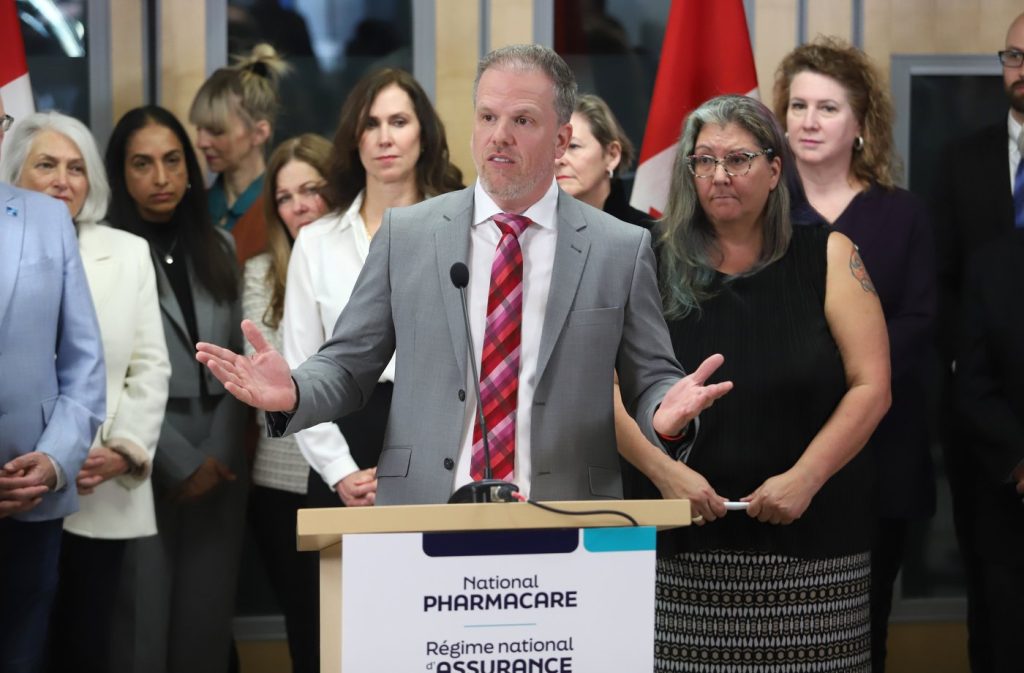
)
(562, 140)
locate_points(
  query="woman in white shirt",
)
(390, 151)
(292, 199)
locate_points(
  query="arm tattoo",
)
(860, 272)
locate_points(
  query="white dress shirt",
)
(538, 246)
(1014, 129)
(326, 260)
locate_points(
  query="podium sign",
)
(518, 601)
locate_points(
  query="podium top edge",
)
(322, 528)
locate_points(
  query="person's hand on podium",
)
(358, 489)
(262, 380)
(688, 397)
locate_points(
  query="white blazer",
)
(123, 287)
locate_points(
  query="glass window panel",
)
(330, 45)
(56, 36)
(613, 48)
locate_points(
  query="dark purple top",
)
(892, 230)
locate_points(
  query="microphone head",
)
(460, 275)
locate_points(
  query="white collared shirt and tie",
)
(538, 246)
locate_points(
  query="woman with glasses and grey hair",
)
(55, 154)
(837, 112)
(776, 572)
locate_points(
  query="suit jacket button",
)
(449, 464)
(462, 395)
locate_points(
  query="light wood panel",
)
(774, 36)
(830, 17)
(457, 53)
(935, 26)
(127, 56)
(182, 54)
(511, 22)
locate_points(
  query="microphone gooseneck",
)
(489, 489)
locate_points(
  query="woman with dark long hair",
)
(182, 582)
(390, 151)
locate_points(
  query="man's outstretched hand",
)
(262, 380)
(688, 397)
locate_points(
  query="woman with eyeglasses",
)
(782, 577)
(838, 118)
(292, 199)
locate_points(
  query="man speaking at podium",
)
(560, 296)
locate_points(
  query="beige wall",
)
(889, 27)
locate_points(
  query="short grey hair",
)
(19, 141)
(530, 57)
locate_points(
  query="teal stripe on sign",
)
(620, 539)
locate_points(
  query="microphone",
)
(488, 489)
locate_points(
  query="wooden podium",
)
(322, 529)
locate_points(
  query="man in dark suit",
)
(589, 307)
(990, 399)
(974, 205)
(53, 393)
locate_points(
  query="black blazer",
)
(972, 206)
(990, 390)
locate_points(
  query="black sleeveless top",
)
(789, 378)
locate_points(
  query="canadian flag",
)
(14, 85)
(706, 53)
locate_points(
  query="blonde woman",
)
(234, 113)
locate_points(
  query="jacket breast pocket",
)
(595, 316)
(394, 461)
(36, 266)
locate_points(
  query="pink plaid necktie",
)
(499, 362)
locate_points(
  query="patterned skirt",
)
(744, 612)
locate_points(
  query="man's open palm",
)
(262, 380)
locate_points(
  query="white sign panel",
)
(541, 601)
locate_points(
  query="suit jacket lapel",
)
(451, 241)
(98, 262)
(571, 250)
(204, 307)
(12, 234)
(169, 302)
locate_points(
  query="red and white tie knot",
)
(510, 223)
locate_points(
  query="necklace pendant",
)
(168, 259)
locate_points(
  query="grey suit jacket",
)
(603, 314)
(177, 457)
(52, 379)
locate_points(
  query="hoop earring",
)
(611, 173)
(858, 143)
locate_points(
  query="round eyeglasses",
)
(736, 164)
(5, 123)
(1011, 58)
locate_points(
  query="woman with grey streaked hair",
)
(776, 572)
(55, 154)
